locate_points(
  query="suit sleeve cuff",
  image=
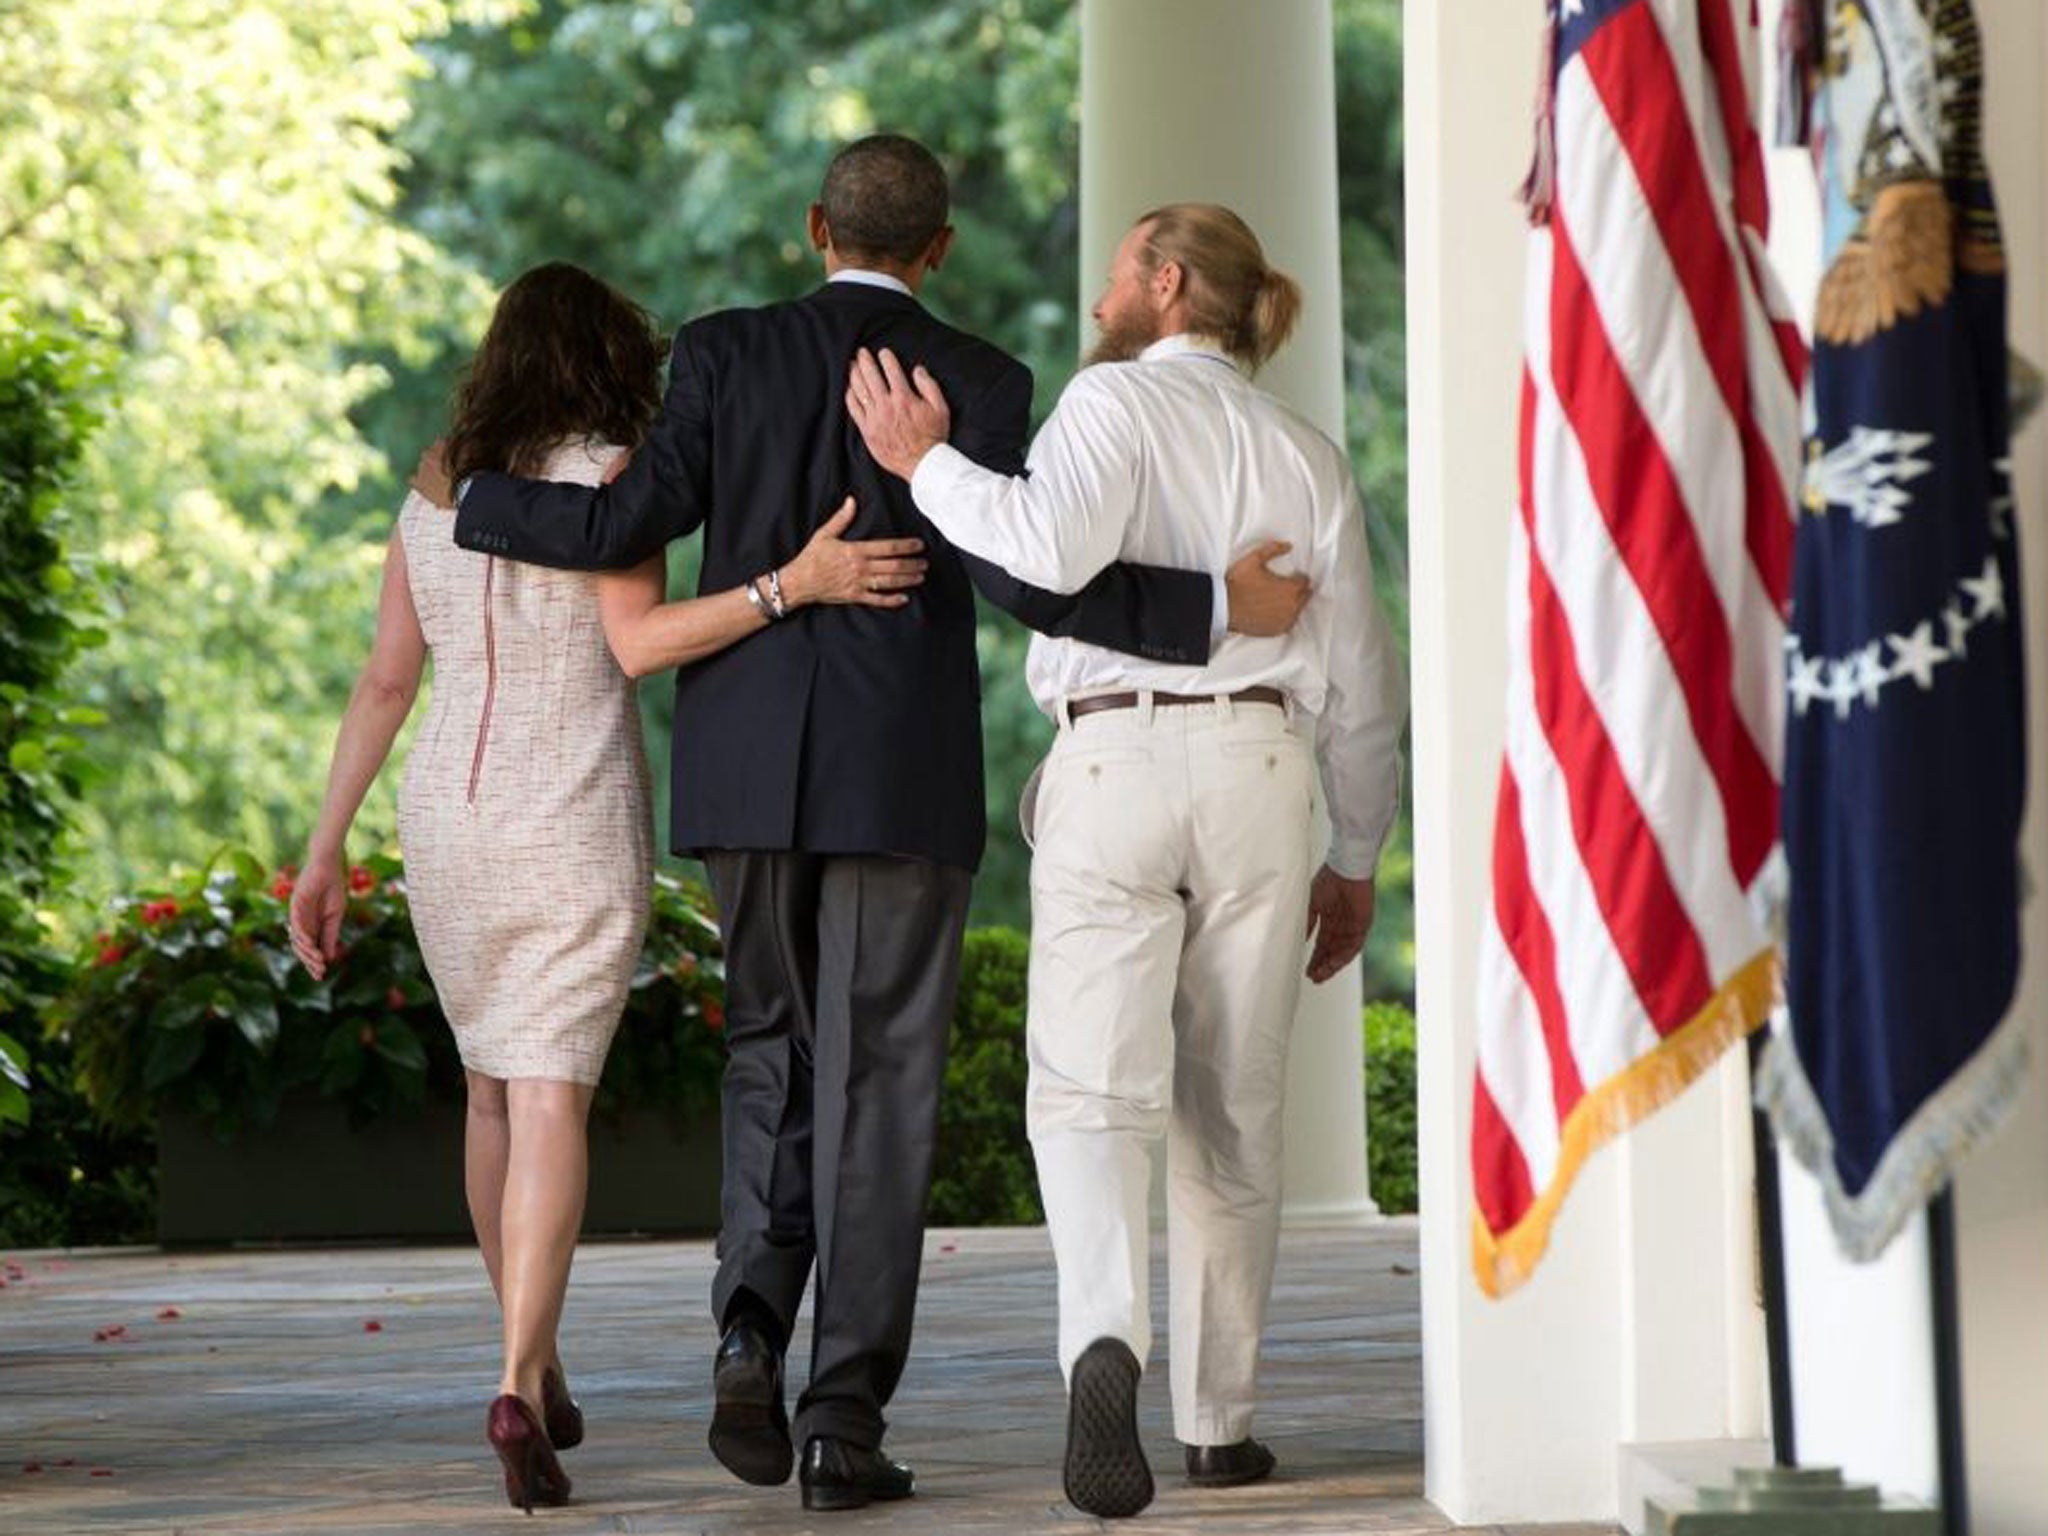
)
(1219, 613)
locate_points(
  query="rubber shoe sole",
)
(749, 1427)
(1106, 1473)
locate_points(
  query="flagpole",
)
(1948, 1364)
(1771, 1268)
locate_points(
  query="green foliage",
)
(74, 1181)
(983, 1171)
(47, 381)
(191, 1001)
(209, 184)
(669, 1052)
(13, 1083)
(1390, 1106)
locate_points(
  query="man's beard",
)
(1122, 339)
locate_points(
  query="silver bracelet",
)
(760, 603)
(775, 595)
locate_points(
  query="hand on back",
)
(873, 573)
(1262, 601)
(901, 416)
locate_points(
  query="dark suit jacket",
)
(842, 729)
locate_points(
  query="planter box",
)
(310, 1177)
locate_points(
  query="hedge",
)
(189, 999)
(47, 385)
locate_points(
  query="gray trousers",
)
(840, 972)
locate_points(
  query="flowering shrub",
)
(191, 1001)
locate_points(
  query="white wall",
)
(2002, 1197)
(1641, 1324)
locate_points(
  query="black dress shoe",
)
(1106, 1472)
(749, 1428)
(837, 1474)
(1225, 1466)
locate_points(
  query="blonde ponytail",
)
(1274, 310)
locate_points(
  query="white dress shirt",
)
(872, 279)
(1219, 601)
(1176, 459)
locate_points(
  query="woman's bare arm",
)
(382, 698)
(649, 635)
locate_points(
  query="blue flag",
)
(1905, 768)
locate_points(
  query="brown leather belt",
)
(1096, 703)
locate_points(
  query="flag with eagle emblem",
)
(1905, 721)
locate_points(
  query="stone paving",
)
(342, 1390)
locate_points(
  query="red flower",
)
(361, 882)
(714, 1015)
(373, 1326)
(287, 878)
(394, 999)
(169, 1315)
(110, 953)
(154, 912)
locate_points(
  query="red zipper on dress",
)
(483, 724)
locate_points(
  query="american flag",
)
(1659, 447)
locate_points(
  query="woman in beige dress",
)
(524, 815)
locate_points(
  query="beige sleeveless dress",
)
(525, 816)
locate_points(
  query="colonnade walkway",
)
(343, 1390)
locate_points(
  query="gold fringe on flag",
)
(1743, 1003)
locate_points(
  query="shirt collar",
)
(1187, 344)
(871, 279)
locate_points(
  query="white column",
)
(1228, 102)
(1640, 1323)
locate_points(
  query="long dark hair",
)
(566, 356)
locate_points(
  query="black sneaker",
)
(1106, 1473)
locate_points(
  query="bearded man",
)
(1172, 875)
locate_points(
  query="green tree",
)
(46, 415)
(209, 183)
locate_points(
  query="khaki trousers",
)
(1169, 895)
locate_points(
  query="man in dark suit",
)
(828, 770)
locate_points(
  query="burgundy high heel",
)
(532, 1475)
(559, 1412)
